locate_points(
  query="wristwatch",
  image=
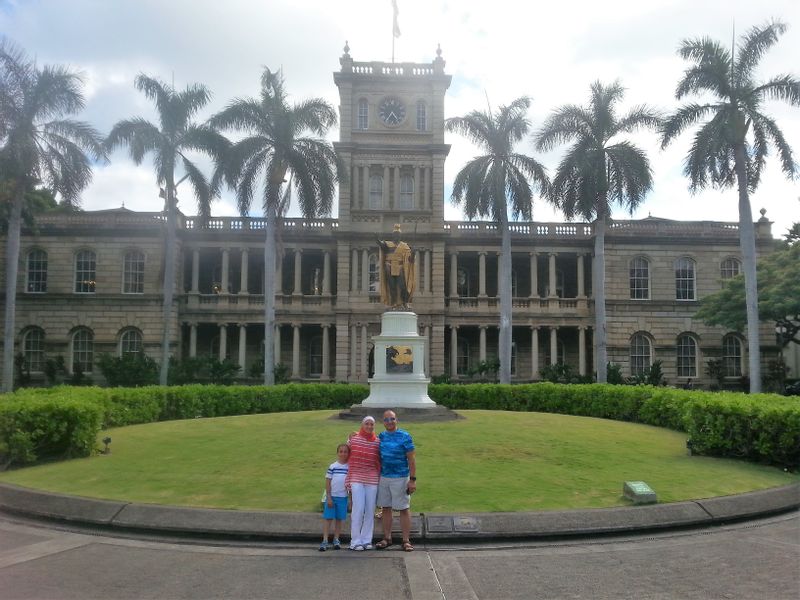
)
(413, 478)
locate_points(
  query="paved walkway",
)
(744, 560)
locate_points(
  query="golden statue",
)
(397, 271)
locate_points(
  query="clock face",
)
(392, 111)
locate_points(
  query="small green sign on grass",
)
(639, 492)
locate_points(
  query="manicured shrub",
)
(48, 427)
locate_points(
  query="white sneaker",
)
(368, 547)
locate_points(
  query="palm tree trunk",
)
(169, 284)
(504, 341)
(747, 243)
(269, 294)
(599, 292)
(12, 264)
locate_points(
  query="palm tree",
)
(494, 183)
(280, 138)
(40, 145)
(169, 145)
(598, 169)
(734, 138)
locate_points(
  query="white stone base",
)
(392, 385)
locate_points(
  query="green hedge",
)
(55, 422)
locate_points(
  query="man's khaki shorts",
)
(392, 492)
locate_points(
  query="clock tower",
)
(391, 140)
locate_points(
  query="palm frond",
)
(201, 187)
(753, 46)
(782, 87)
(684, 117)
(138, 134)
(567, 123)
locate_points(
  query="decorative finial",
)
(763, 212)
(346, 48)
(439, 50)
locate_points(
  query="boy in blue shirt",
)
(398, 480)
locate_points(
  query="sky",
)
(495, 51)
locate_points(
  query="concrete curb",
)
(130, 516)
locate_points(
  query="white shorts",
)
(393, 491)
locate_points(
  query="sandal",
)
(407, 547)
(383, 544)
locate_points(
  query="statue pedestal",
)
(399, 380)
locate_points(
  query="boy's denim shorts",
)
(339, 510)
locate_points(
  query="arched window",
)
(363, 114)
(462, 357)
(33, 349)
(133, 273)
(82, 350)
(85, 272)
(732, 356)
(37, 272)
(730, 268)
(130, 342)
(376, 191)
(406, 192)
(640, 278)
(314, 362)
(686, 356)
(374, 273)
(641, 354)
(684, 279)
(422, 116)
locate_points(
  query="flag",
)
(396, 27)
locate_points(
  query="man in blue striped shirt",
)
(398, 480)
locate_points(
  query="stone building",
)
(91, 282)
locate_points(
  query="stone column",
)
(353, 353)
(397, 187)
(195, 271)
(326, 274)
(365, 190)
(223, 341)
(295, 351)
(428, 286)
(581, 278)
(226, 259)
(582, 350)
(277, 344)
(364, 352)
(192, 339)
(326, 353)
(417, 271)
(534, 275)
(356, 191)
(242, 345)
(426, 333)
(453, 351)
(551, 272)
(385, 202)
(243, 283)
(454, 274)
(553, 345)
(481, 275)
(534, 352)
(298, 267)
(279, 274)
(354, 272)
(500, 275)
(417, 198)
(365, 271)
(482, 345)
(427, 191)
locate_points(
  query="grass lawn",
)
(491, 461)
